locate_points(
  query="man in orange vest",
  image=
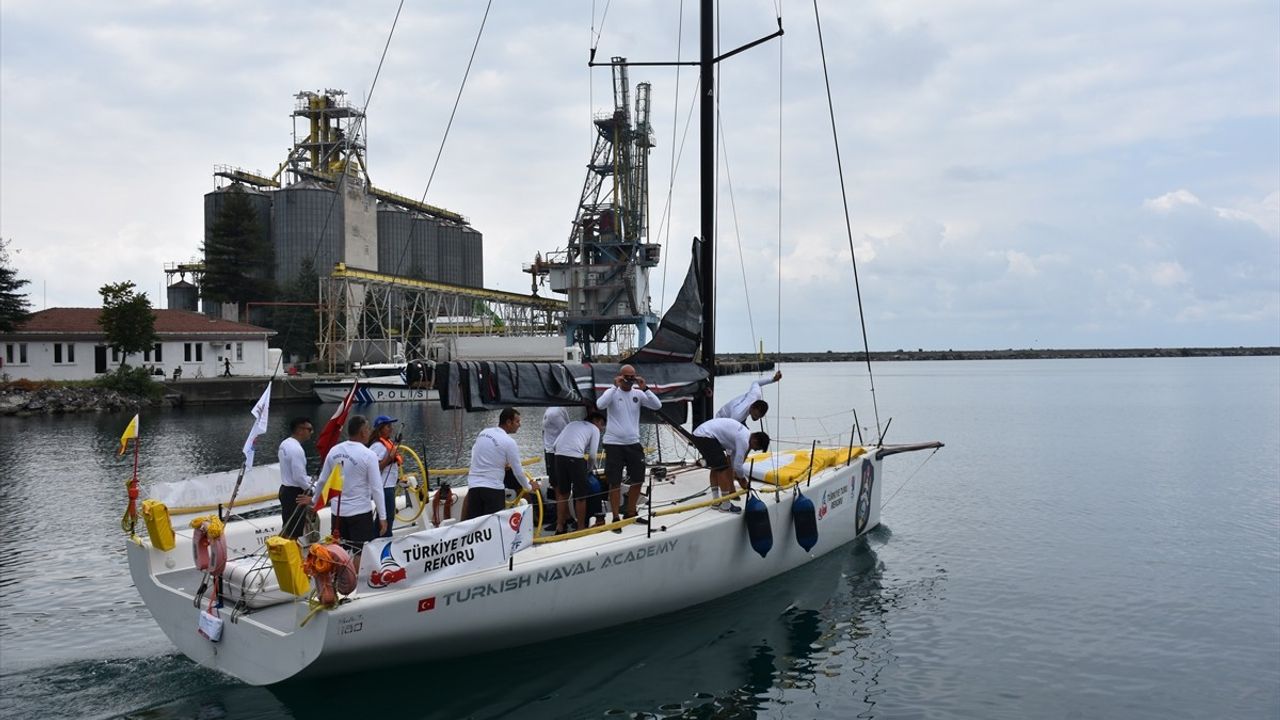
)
(389, 461)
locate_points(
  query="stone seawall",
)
(24, 402)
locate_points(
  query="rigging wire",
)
(665, 219)
(910, 477)
(671, 175)
(444, 140)
(844, 196)
(346, 167)
(595, 36)
(777, 391)
(737, 231)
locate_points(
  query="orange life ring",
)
(333, 571)
(208, 545)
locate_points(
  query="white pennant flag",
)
(259, 412)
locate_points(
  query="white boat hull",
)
(595, 581)
(371, 392)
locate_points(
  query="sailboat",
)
(444, 588)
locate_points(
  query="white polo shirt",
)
(553, 421)
(361, 481)
(293, 464)
(577, 439)
(623, 407)
(734, 437)
(493, 452)
(739, 408)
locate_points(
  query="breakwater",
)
(1009, 354)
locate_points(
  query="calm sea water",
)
(1099, 539)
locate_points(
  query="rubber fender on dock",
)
(805, 519)
(759, 530)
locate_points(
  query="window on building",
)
(239, 352)
(199, 352)
(71, 352)
(115, 355)
(57, 353)
(186, 352)
(156, 351)
(22, 353)
(8, 353)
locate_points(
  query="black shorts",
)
(572, 472)
(292, 515)
(712, 451)
(624, 457)
(483, 501)
(356, 530)
(552, 472)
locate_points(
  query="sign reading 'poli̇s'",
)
(439, 553)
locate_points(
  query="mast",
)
(705, 406)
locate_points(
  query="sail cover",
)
(665, 362)
(481, 386)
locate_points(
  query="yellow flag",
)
(129, 432)
(332, 487)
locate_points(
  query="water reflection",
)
(729, 658)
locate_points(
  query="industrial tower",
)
(605, 268)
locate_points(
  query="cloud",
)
(1085, 176)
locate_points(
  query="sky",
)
(1018, 175)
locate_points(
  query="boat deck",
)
(681, 499)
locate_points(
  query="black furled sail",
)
(666, 363)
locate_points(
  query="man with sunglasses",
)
(622, 448)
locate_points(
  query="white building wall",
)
(247, 360)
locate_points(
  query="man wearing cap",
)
(723, 444)
(389, 461)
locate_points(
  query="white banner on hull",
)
(458, 549)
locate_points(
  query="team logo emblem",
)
(864, 496)
(388, 570)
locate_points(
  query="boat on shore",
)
(443, 587)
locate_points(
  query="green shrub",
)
(131, 381)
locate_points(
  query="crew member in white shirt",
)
(361, 500)
(622, 446)
(749, 403)
(574, 454)
(295, 486)
(495, 464)
(389, 460)
(723, 443)
(553, 421)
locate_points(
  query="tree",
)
(238, 258)
(296, 325)
(127, 319)
(14, 306)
